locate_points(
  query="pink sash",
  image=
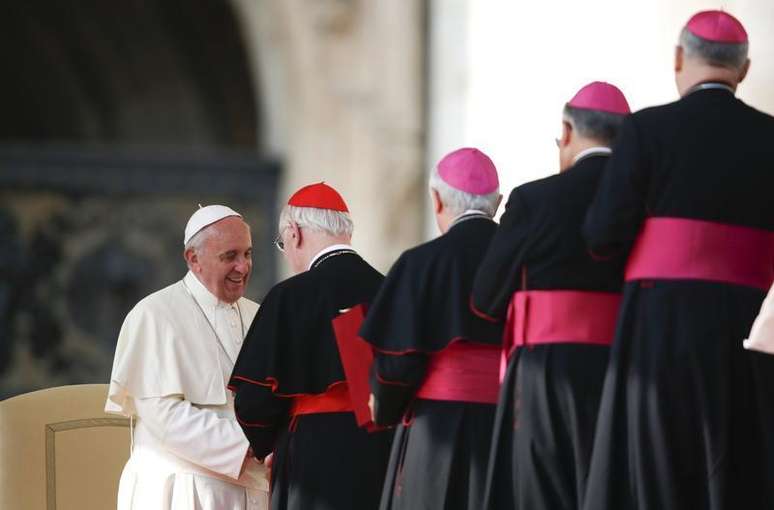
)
(463, 372)
(683, 249)
(559, 316)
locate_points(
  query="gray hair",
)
(716, 54)
(196, 243)
(594, 124)
(459, 201)
(328, 221)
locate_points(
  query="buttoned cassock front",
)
(175, 352)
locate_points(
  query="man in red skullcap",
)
(559, 306)
(292, 394)
(436, 367)
(684, 419)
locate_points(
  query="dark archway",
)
(118, 118)
(139, 72)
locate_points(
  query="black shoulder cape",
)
(290, 346)
(424, 303)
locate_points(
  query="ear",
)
(437, 203)
(679, 57)
(295, 238)
(744, 70)
(192, 259)
(567, 134)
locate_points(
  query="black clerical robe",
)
(550, 394)
(420, 316)
(686, 414)
(322, 460)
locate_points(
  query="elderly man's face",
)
(225, 261)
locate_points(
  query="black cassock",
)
(550, 394)
(686, 414)
(324, 460)
(440, 451)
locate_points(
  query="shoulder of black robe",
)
(423, 304)
(498, 274)
(291, 346)
(706, 156)
(539, 245)
(626, 179)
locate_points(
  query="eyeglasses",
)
(279, 243)
(558, 142)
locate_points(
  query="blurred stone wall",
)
(342, 85)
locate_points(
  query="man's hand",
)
(371, 405)
(266, 461)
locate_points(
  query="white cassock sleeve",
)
(762, 333)
(197, 435)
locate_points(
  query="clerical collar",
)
(329, 252)
(711, 85)
(470, 214)
(202, 295)
(592, 151)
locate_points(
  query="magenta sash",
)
(559, 316)
(463, 372)
(683, 249)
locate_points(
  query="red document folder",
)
(356, 358)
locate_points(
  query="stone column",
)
(341, 90)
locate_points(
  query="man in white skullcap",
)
(175, 353)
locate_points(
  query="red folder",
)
(356, 358)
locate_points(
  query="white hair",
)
(328, 221)
(459, 201)
(196, 243)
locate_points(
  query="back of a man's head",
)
(597, 125)
(459, 201)
(591, 119)
(464, 180)
(325, 221)
(713, 48)
(314, 218)
(731, 55)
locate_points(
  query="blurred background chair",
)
(60, 451)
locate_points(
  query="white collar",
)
(328, 249)
(592, 151)
(469, 215)
(202, 295)
(710, 85)
(475, 212)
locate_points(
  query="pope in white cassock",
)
(175, 353)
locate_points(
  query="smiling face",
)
(223, 260)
